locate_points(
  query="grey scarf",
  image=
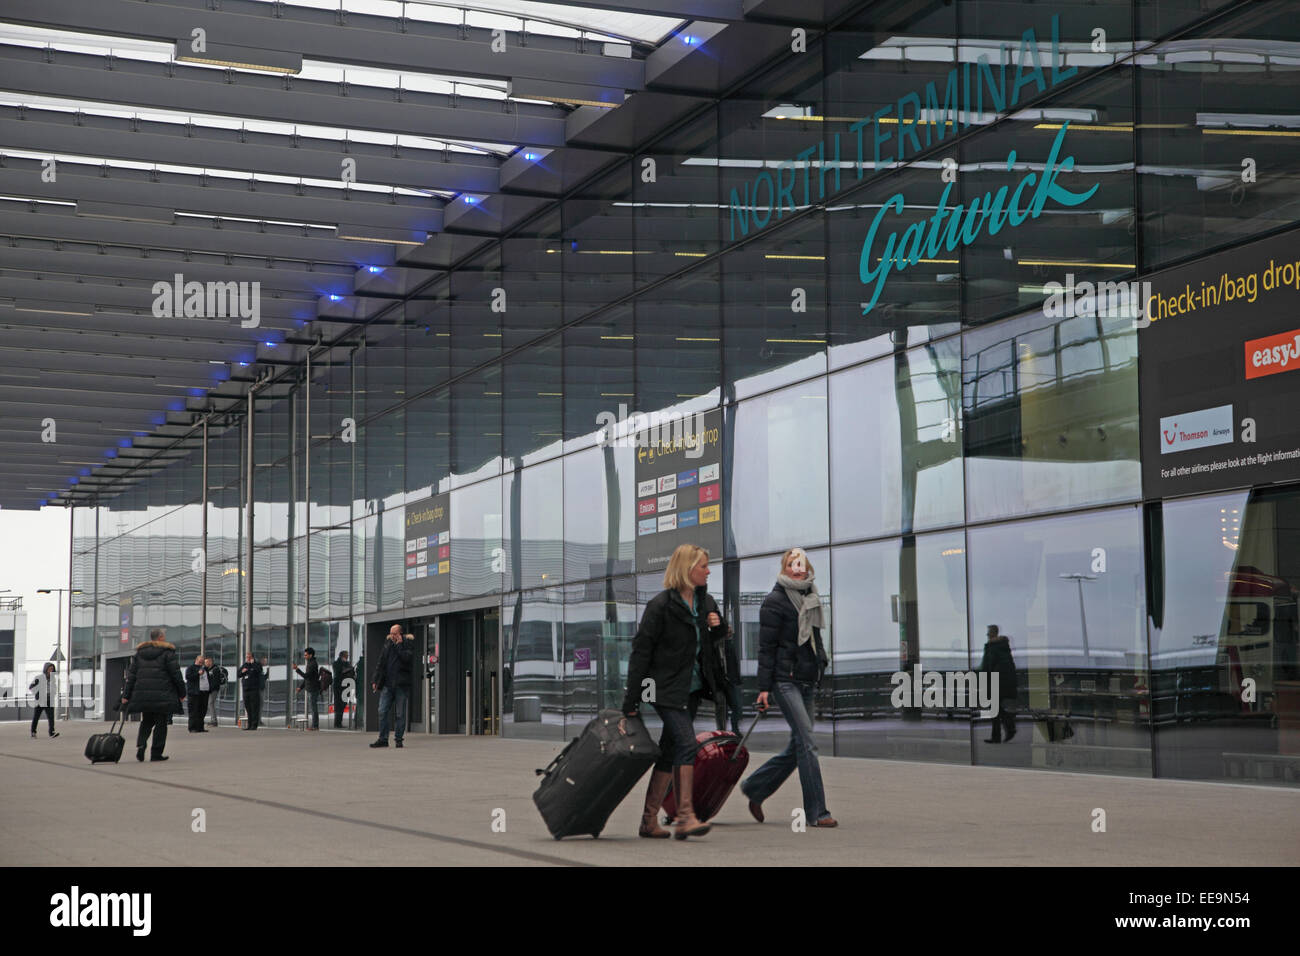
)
(803, 595)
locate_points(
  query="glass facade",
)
(897, 397)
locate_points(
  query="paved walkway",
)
(279, 797)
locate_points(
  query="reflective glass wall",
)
(850, 257)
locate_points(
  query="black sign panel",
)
(428, 550)
(1220, 371)
(678, 488)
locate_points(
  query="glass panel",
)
(895, 443)
(477, 558)
(1050, 415)
(906, 609)
(533, 526)
(599, 530)
(599, 375)
(1069, 595)
(532, 652)
(1225, 667)
(775, 466)
(1218, 133)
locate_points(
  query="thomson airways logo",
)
(1210, 426)
(208, 300)
(76, 909)
(1273, 354)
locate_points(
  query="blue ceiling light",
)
(110, 452)
(690, 40)
(531, 157)
(197, 392)
(574, 245)
(270, 343)
(159, 420)
(375, 270)
(140, 434)
(73, 480)
(85, 473)
(335, 298)
(124, 443)
(176, 405)
(470, 200)
(243, 365)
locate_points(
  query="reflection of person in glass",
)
(791, 662)
(997, 660)
(674, 662)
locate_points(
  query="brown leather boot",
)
(687, 824)
(654, 799)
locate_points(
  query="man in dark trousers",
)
(393, 681)
(154, 688)
(217, 677)
(997, 660)
(342, 671)
(250, 678)
(311, 684)
(197, 687)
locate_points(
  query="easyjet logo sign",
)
(1273, 354)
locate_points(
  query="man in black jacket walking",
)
(250, 678)
(311, 684)
(997, 660)
(393, 681)
(154, 687)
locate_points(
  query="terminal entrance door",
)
(469, 673)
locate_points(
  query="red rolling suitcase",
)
(720, 762)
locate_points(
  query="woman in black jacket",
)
(791, 661)
(675, 662)
(154, 687)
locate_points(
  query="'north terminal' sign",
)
(904, 123)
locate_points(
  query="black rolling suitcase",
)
(592, 775)
(107, 748)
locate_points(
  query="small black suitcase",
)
(106, 748)
(591, 776)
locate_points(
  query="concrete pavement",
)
(277, 797)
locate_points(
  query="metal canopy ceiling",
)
(233, 170)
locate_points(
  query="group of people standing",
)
(680, 656)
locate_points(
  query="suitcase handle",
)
(725, 737)
(757, 718)
(560, 756)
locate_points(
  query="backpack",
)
(325, 678)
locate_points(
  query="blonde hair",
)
(684, 559)
(785, 559)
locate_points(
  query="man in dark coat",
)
(154, 687)
(342, 671)
(997, 660)
(311, 684)
(250, 678)
(393, 682)
(198, 684)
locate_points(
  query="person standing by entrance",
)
(311, 684)
(393, 682)
(342, 671)
(675, 662)
(154, 687)
(46, 689)
(197, 687)
(250, 678)
(791, 661)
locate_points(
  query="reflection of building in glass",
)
(953, 458)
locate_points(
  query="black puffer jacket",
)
(153, 681)
(251, 677)
(780, 655)
(665, 650)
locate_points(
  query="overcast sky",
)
(35, 555)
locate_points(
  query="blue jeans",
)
(390, 699)
(677, 742)
(796, 702)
